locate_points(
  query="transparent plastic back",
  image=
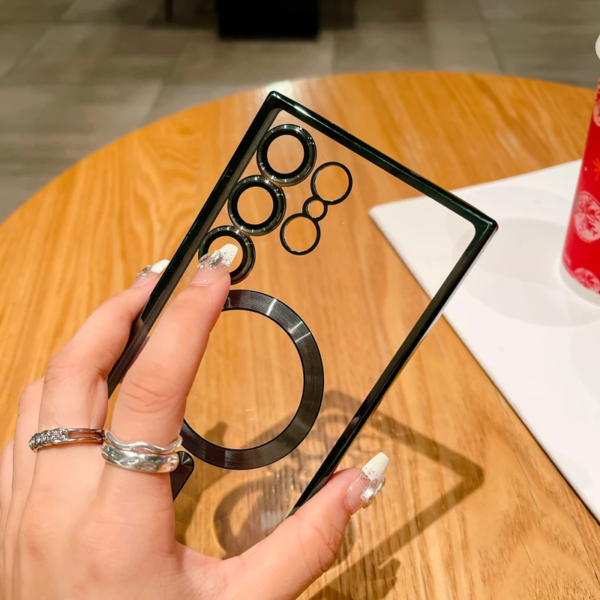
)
(356, 299)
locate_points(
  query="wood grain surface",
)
(473, 507)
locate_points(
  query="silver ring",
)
(140, 461)
(62, 435)
(144, 447)
(141, 456)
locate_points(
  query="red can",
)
(581, 255)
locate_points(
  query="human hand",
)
(74, 526)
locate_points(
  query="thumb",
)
(306, 544)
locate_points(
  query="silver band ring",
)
(140, 461)
(61, 435)
(141, 456)
(143, 447)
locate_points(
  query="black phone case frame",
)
(274, 104)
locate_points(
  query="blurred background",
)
(77, 74)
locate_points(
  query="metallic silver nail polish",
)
(147, 269)
(211, 267)
(368, 484)
(223, 256)
(371, 490)
(150, 270)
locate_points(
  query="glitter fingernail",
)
(213, 266)
(368, 484)
(150, 272)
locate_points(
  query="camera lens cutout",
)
(319, 171)
(308, 160)
(277, 213)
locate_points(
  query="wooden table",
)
(473, 507)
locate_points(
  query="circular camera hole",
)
(331, 182)
(300, 235)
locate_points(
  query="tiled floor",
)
(76, 74)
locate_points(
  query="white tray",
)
(537, 340)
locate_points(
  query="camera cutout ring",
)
(308, 160)
(320, 169)
(306, 208)
(284, 227)
(310, 403)
(248, 251)
(277, 213)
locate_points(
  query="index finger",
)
(151, 404)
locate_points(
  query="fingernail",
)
(212, 267)
(368, 484)
(150, 272)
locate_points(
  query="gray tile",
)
(15, 40)
(563, 53)
(17, 188)
(23, 153)
(337, 14)
(186, 13)
(560, 12)
(39, 11)
(437, 45)
(75, 53)
(47, 128)
(420, 11)
(29, 161)
(21, 106)
(208, 59)
(93, 110)
(113, 11)
(177, 97)
(180, 96)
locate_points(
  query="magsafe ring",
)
(310, 402)
(308, 160)
(248, 252)
(320, 169)
(277, 213)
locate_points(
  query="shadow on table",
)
(376, 571)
